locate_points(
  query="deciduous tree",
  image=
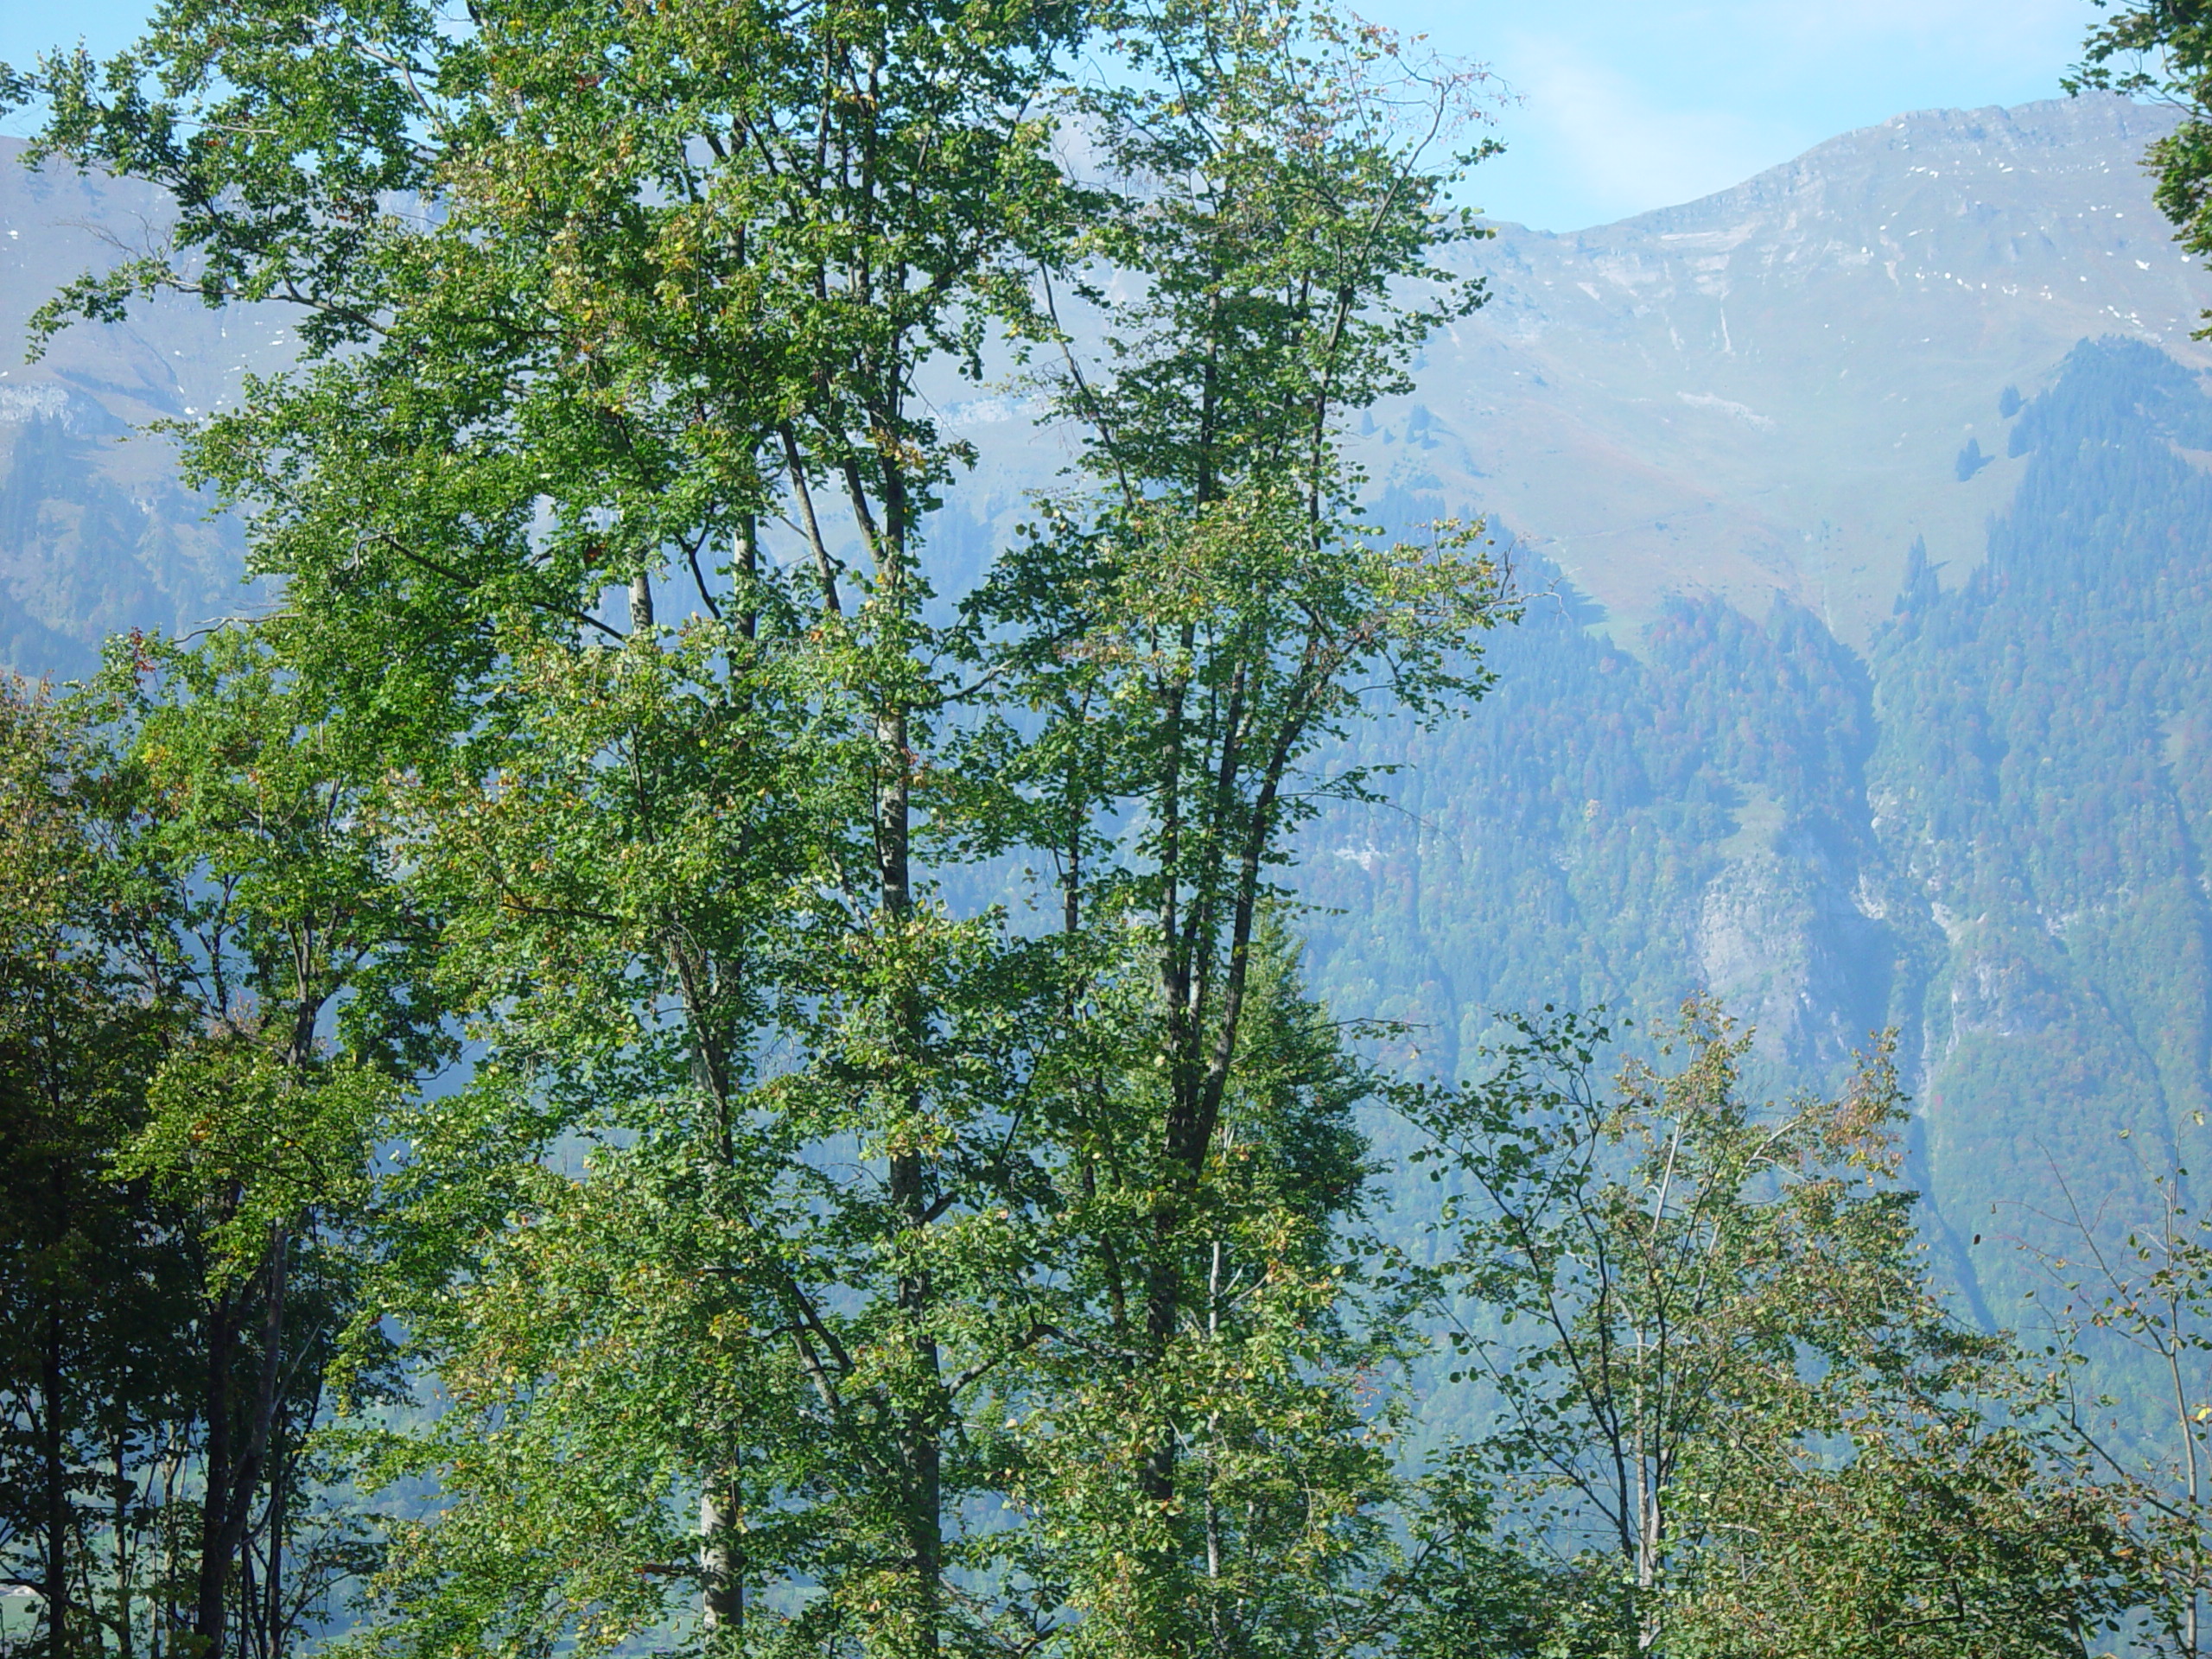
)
(1725, 1395)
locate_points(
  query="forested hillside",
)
(1986, 833)
(2041, 778)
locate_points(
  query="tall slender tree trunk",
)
(921, 1426)
(1179, 983)
(910, 1200)
(208, 1606)
(748, 566)
(120, 1493)
(1216, 1621)
(721, 1561)
(273, 1616)
(51, 1380)
(1163, 1288)
(229, 1503)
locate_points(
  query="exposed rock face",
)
(1781, 943)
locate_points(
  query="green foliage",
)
(1261, 1530)
(661, 273)
(91, 1298)
(1190, 632)
(2139, 1294)
(774, 1186)
(1698, 1318)
(1286, 202)
(799, 1258)
(192, 1162)
(1939, 1535)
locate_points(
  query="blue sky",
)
(1624, 105)
(1618, 105)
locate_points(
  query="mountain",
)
(1865, 511)
(1772, 389)
(1988, 831)
(97, 536)
(1870, 500)
(1778, 388)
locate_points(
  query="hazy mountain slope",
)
(96, 535)
(1726, 755)
(1768, 390)
(1771, 390)
(1627, 830)
(1764, 391)
(2043, 776)
(1990, 833)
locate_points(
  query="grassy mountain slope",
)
(1772, 389)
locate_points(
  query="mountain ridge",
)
(1699, 359)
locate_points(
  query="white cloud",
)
(1631, 105)
(1620, 150)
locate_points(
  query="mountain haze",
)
(1867, 686)
(1768, 390)
(97, 536)
(1873, 494)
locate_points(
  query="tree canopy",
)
(696, 1074)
